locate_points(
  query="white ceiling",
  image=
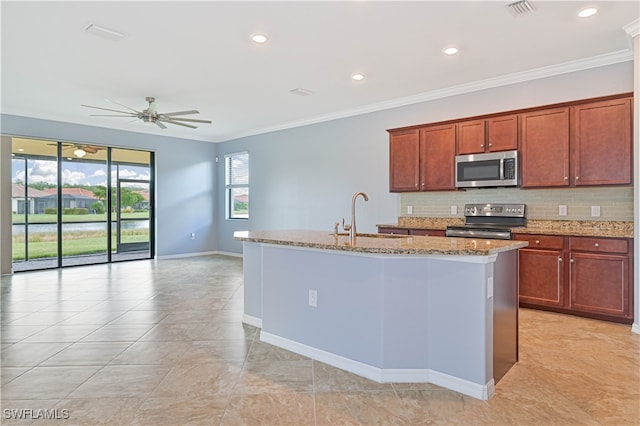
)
(198, 55)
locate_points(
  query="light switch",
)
(409, 209)
(595, 211)
(454, 210)
(562, 210)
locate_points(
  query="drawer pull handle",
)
(597, 244)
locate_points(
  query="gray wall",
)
(185, 178)
(305, 177)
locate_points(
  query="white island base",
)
(450, 320)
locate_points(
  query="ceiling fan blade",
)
(162, 117)
(122, 105)
(112, 115)
(109, 109)
(179, 124)
(162, 126)
(171, 114)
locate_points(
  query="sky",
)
(73, 172)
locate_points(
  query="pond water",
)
(84, 226)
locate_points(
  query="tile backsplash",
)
(616, 203)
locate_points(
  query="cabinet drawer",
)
(429, 232)
(541, 241)
(388, 230)
(605, 245)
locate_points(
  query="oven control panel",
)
(495, 210)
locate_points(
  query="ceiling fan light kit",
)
(151, 114)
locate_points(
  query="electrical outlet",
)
(409, 209)
(454, 210)
(562, 210)
(595, 211)
(313, 298)
(193, 235)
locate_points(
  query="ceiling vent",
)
(301, 92)
(519, 8)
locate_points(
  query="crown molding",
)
(519, 77)
(632, 28)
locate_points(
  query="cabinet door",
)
(599, 283)
(404, 161)
(428, 232)
(545, 148)
(437, 157)
(470, 137)
(502, 133)
(602, 143)
(541, 277)
(397, 231)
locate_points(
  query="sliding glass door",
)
(79, 204)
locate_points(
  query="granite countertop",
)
(587, 228)
(380, 243)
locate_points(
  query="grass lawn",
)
(43, 245)
(18, 219)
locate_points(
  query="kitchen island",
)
(392, 309)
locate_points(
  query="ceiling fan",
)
(151, 114)
(80, 150)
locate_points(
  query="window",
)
(237, 185)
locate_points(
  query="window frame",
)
(229, 187)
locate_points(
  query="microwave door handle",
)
(502, 169)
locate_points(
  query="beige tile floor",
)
(161, 342)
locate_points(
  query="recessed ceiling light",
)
(103, 32)
(587, 12)
(259, 38)
(450, 50)
(357, 77)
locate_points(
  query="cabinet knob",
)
(537, 241)
(559, 259)
(571, 260)
(577, 177)
(490, 145)
(482, 146)
(566, 178)
(597, 244)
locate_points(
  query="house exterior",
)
(35, 201)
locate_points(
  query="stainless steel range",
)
(491, 221)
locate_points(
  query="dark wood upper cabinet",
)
(502, 133)
(404, 161)
(488, 135)
(545, 148)
(579, 143)
(602, 143)
(471, 137)
(437, 157)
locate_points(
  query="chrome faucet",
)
(352, 229)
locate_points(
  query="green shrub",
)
(76, 211)
(51, 210)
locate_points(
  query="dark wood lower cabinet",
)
(578, 275)
(411, 231)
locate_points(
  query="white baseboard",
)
(201, 253)
(254, 321)
(381, 375)
(635, 328)
(228, 253)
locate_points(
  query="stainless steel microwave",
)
(487, 170)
